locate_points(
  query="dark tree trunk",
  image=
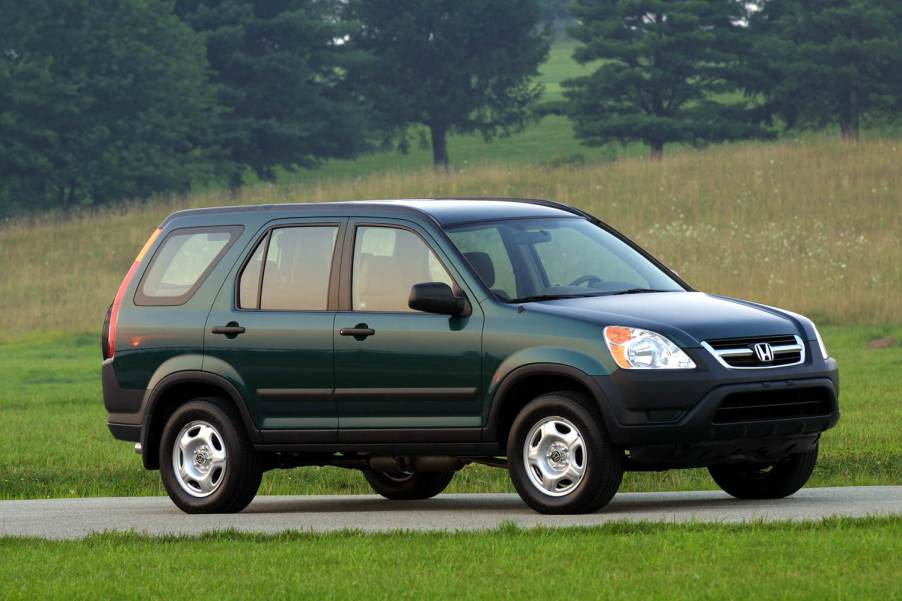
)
(235, 182)
(657, 150)
(849, 122)
(70, 195)
(439, 147)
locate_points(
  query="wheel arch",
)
(175, 390)
(526, 382)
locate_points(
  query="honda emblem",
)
(764, 352)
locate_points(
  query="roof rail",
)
(533, 201)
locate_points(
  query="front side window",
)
(488, 256)
(522, 259)
(295, 274)
(387, 263)
(182, 262)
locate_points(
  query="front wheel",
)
(747, 480)
(408, 485)
(560, 458)
(207, 463)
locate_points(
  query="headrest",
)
(482, 263)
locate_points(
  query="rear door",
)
(416, 378)
(270, 330)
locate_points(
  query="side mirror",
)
(437, 297)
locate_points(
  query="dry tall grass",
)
(812, 227)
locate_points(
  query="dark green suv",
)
(409, 338)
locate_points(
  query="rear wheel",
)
(206, 460)
(559, 455)
(408, 484)
(749, 480)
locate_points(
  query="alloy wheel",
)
(199, 459)
(554, 454)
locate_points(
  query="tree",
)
(451, 65)
(829, 61)
(280, 67)
(99, 100)
(668, 68)
(555, 10)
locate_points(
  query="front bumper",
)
(671, 416)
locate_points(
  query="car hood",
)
(687, 318)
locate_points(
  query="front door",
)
(402, 375)
(271, 328)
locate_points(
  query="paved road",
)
(75, 518)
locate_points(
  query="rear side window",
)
(295, 275)
(182, 263)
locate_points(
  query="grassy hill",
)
(812, 227)
(548, 141)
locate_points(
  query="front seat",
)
(485, 269)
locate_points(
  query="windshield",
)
(538, 259)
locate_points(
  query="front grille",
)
(773, 404)
(741, 353)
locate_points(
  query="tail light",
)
(112, 320)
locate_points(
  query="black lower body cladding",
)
(701, 422)
(122, 404)
(116, 399)
(761, 450)
(699, 418)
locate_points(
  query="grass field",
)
(54, 441)
(836, 559)
(810, 227)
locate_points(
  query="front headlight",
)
(820, 342)
(634, 348)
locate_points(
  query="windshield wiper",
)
(545, 297)
(635, 291)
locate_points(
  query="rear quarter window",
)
(182, 263)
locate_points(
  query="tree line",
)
(102, 100)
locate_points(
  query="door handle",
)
(231, 329)
(359, 332)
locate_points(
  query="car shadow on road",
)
(486, 503)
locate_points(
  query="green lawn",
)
(54, 441)
(560, 66)
(835, 559)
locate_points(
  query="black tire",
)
(765, 481)
(602, 463)
(409, 485)
(241, 476)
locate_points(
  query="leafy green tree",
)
(451, 65)
(824, 62)
(280, 67)
(668, 72)
(99, 100)
(555, 10)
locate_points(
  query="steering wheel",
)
(587, 279)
